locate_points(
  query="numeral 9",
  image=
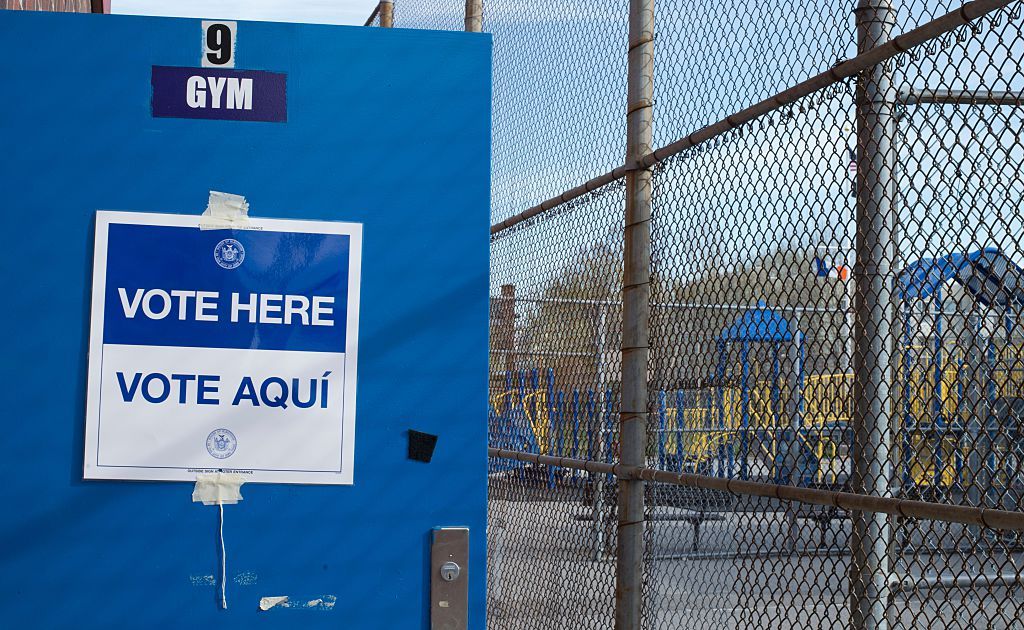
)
(218, 43)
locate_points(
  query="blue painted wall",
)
(385, 127)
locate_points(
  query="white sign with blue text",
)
(223, 350)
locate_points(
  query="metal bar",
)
(474, 22)
(794, 416)
(842, 71)
(872, 363)
(913, 583)
(387, 13)
(603, 438)
(541, 353)
(965, 514)
(595, 449)
(963, 97)
(507, 325)
(373, 15)
(753, 555)
(551, 423)
(636, 316)
(681, 305)
(804, 552)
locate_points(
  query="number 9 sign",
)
(219, 44)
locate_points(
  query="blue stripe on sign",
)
(289, 292)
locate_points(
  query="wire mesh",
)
(716, 57)
(559, 94)
(434, 15)
(836, 296)
(555, 356)
(559, 91)
(807, 336)
(767, 564)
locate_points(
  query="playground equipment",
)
(745, 422)
(967, 435)
(531, 414)
(761, 415)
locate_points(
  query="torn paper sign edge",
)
(218, 488)
(225, 211)
(324, 602)
(266, 603)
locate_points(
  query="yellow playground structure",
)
(955, 400)
(696, 428)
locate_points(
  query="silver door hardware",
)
(449, 578)
(449, 571)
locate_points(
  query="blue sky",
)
(559, 119)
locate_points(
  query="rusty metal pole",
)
(636, 312)
(873, 361)
(474, 16)
(387, 13)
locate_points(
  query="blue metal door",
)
(387, 128)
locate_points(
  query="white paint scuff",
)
(324, 602)
(266, 603)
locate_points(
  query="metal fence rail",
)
(808, 298)
(849, 501)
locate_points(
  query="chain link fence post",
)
(636, 315)
(474, 16)
(873, 369)
(387, 14)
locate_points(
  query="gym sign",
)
(219, 94)
(217, 90)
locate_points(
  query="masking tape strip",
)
(218, 488)
(225, 211)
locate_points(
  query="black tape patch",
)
(421, 446)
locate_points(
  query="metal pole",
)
(850, 285)
(794, 413)
(603, 440)
(869, 567)
(986, 580)
(975, 394)
(636, 311)
(387, 14)
(474, 16)
(507, 321)
(963, 97)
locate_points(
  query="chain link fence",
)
(71, 6)
(556, 338)
(836, 359)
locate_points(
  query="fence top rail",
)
(968, 515)
(844, 70)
